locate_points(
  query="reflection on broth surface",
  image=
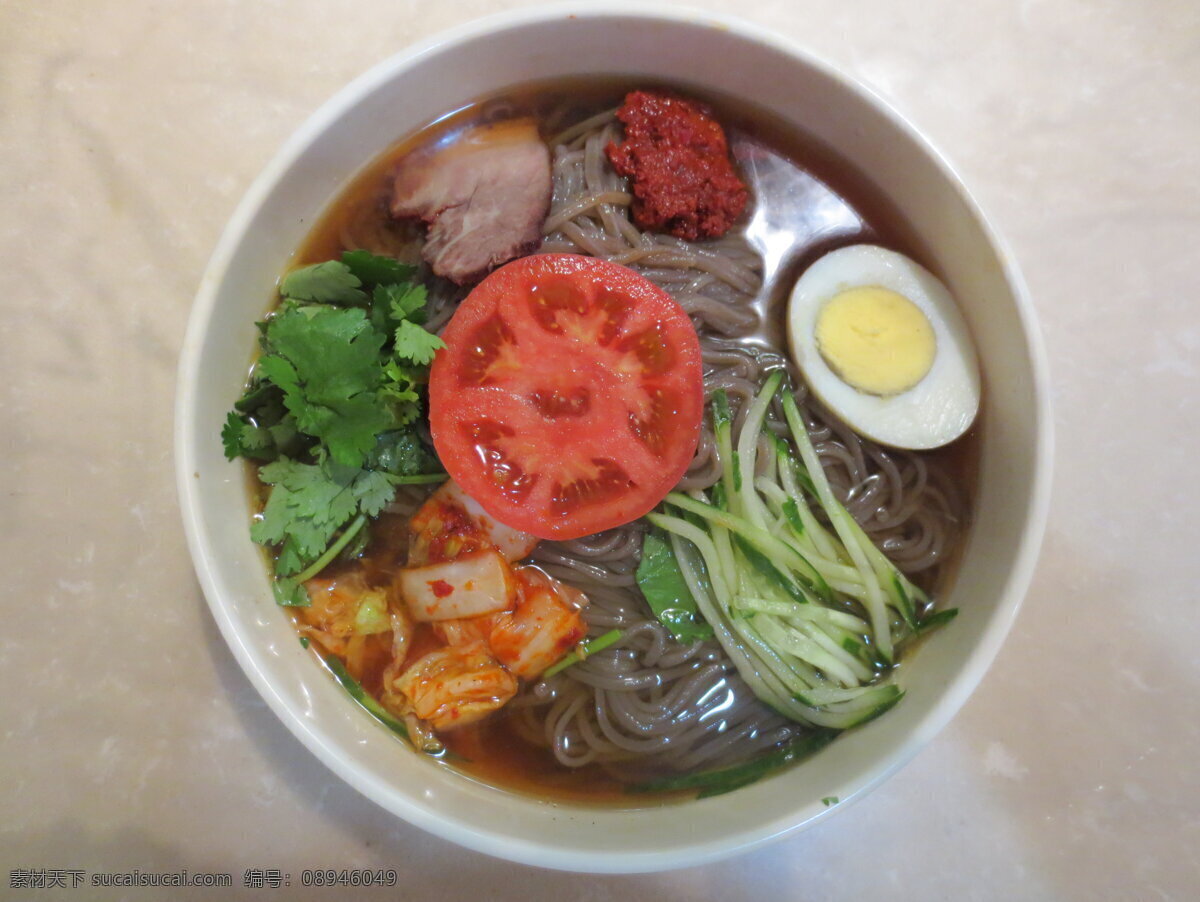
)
(652, 706)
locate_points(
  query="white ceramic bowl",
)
(439, 75)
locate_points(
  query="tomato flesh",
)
(569, 395)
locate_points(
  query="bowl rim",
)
(1012, 593)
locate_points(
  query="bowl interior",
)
(426, 82)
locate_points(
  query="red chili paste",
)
(676, 156)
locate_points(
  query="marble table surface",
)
(129, 738)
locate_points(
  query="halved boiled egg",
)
(881, 342)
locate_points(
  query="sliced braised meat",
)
(484, 198)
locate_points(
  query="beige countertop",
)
(130, 739)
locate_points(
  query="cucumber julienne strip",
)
(777, 677)
(772, 546)
(803, 646)
(748, 504)
(844, 578)
(791, 611)
(722, 426)
(833, 695)
(761, 563)
(867, 701)
(770, 676)
(794, 488)
(938, 619)
(772, 680)
(861, 672)
(774, 695)
(782, 590)
(891, 581)
(843, 524)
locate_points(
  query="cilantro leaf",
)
(257, 395)
(405, 408)
(405, 300)
(231, 435)
(331, 282)
(290, 594)
(348, 427)
(287, 438)
(372, 269)
(257, 442)
(289, 559)
(299, 513)
(328, 364)
(416, 344)
(372, 492)
(310, 502)
(392, 304)
(404, 375)
(243, 438)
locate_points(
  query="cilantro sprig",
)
(330, 410)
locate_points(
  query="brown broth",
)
(490, 751)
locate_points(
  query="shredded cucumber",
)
(809, 610)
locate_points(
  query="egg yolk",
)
(876, 340)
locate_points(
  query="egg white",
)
(936, 410)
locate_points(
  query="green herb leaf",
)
(231, 435)
(267, 429)
(257, 395)
(328, 364)
(289, 593)
(416, 344)
(666, 591)
(393, 303)
(287, 439)
(290, 559)
(401, 301)
(330, 282)
(795, 588)
(372, 269)
(309, 502)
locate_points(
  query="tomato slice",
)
(569, 395)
